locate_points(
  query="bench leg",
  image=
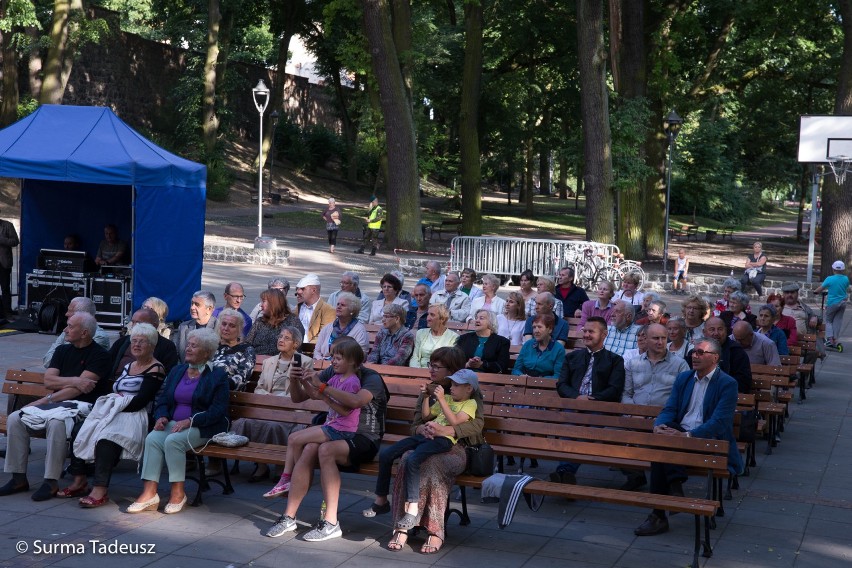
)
(708, 550)
(802, 387)
(236, 469)
(719, 496)
(464, 518)
(227, 488)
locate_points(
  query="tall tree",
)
(57, 65)
(597, 141)
(209, 120)
(403, 210)
(837, 199)
(470, 166)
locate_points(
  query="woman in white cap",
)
(837, 286)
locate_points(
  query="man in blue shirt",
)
(234, 296)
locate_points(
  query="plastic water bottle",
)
(732, 272)
(323, 508)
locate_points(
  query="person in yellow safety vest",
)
(374, 223)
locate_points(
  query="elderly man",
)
(416, 317)
(648, 380)
(760, 349)
(433, 277)
(77, 305)
(312, 310)
(655, 313)
(544, 303)
(592, 373)
(701, 405)
(164, 351)
(457, 302)
(621, 333)
(275, 284)
(805, 317)
(77, 371)
(571, 296)
(732, 357)
(8, 241)
(201, 313)
(234, 296)
(351, 282)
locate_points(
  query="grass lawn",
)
(778, 215)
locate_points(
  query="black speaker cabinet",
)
(113, 300)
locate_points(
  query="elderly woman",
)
(192, 408)
(485, 350)
(630, 291)
(643, 309)
(438, 473)
(544, 284)
(351, 282)
(160, 308)
(201, 311)
(677, 344)
(511, 323)
(766, 316)
(602, 307)
(234, 355)
(785, 323)
(275, 314)
(435, 335)
(525, 285)
(730, 285)
(489, 299)
(331, 216)
(347, 308)
(755, 269)
(738, 304)
(541, 356)
(694, 309)
(468, 278)
(274, 380)
(391, 287)
(654, 313)
(394, 342)
(281, 284)
(119, 421)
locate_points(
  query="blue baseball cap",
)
(465, 377)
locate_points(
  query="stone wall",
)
(247, 255)
(713, 286)
(137, 77)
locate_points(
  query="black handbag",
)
(748, 426)
(480, 460)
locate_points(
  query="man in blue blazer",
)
(701, 405)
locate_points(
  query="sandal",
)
(88, 502)
(429, 548)
(398, 541)
(68, 493)
(406, 522)
(376, 510)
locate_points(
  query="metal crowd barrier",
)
(509, 257)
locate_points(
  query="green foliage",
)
(219, 179)
(628, 121)
(307, 148)
(26, 106)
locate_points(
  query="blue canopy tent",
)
(82, 167)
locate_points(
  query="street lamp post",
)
(274, 117)
(260, 94)
(672, 127)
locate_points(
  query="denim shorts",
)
(335, 434)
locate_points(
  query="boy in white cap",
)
(447, 410)
(837, 286)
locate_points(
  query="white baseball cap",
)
(838, 265)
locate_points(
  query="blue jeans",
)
(423, 448)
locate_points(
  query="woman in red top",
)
(784, 323)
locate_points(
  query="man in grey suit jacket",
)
(201, 311)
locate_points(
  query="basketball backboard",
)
(823, 137)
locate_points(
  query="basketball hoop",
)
(839, 166)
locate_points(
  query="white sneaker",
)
(324, 531)
(284, 524)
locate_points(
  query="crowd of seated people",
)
(165, 389)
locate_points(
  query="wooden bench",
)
(447, 225)
(21, 388)
(727, 231)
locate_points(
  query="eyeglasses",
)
(701, 352)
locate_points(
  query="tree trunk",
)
(529, 167)
(401, 29)
(563, 177)
(51, 90)
(9, 106)
(804, 186)
(209, 120)
(627, 33)
(597, 144)
(68, 58)
(837, 199)
(471, 189)
(34, 64)
(403, 205)
(376, 106)
(294, 12)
